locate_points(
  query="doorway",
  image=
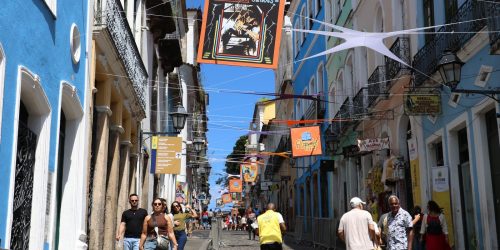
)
(23, 186)
(464, 176)
(494, 157)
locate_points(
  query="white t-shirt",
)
(355, 224)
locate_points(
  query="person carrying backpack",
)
(434, 230)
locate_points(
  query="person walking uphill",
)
(434, 228)
(155, 225)
(356, 227)
(180, 222)
(270, 227)
(131, 224)
(399, 225)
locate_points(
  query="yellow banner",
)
(441, 195)
(415, 171)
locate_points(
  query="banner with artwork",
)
(226, 198)
(249, 172)
(441, 195)
(180, 192)
(306, 141)
(235, 186)
(241, 33)
(369, 145)
(219, 203)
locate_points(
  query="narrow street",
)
(234, 240)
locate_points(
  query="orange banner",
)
(226, 198)
(306, 141)
(235, 186)
(249, 172)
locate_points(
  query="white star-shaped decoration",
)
(354, 38)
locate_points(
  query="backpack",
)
(434, 225)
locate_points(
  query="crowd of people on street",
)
(395, 230)
(162, 229)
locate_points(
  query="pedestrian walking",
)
(399, 225)
(250, 220)
(180, 218)
(417, 225)
(357, 228)
(210, 217)
(130, 228)
(382, 225)
(434, 229)
(155, 225)
(270, 227)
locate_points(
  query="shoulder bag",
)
(162, 242)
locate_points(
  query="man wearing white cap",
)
(356, 227)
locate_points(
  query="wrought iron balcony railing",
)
(358, 103)
(343, 117)
(492, 11)
(321, 106)
(310, 113)
(376, 85)
(451, 37)
(110, 16)
(400, 48)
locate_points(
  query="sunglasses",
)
(177, 206)
(157, 204)
(134, 200)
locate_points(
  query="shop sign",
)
(306, 141)
(202, 197)
(369, 145)
(422, 103)
(264, 186)
(350, 151)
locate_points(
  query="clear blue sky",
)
(229, 114)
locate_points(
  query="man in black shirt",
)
(131, 224)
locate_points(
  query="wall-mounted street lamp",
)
(179, 116)
(198, 144)
(450, 69)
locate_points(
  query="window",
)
(303, 24)
(328, 14)
(319, 76)
(2, 72)
(312, 90)
(429, 18)
(451, 8)
(52, 4)
(311, 11)
(296, 38)
(318, 7)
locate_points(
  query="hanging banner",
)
(235, 186)
(226, 198)
(168, 155)
(180, 192)
(369, 145)
(249, 172)
(241, 33)
(415, 170)
(441, 195)
(306, 141)
(236, 196)
(219, 203)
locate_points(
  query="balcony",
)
(400, 48)
(311, 112)
(492, 10)
(321, 105)
(111, 23)
(358, 103)
(342, 118)
(377, 86)
(451, 37)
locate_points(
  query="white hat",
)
(355, 201)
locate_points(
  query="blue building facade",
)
(464, 139)
(43, 75)
(309, 78)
